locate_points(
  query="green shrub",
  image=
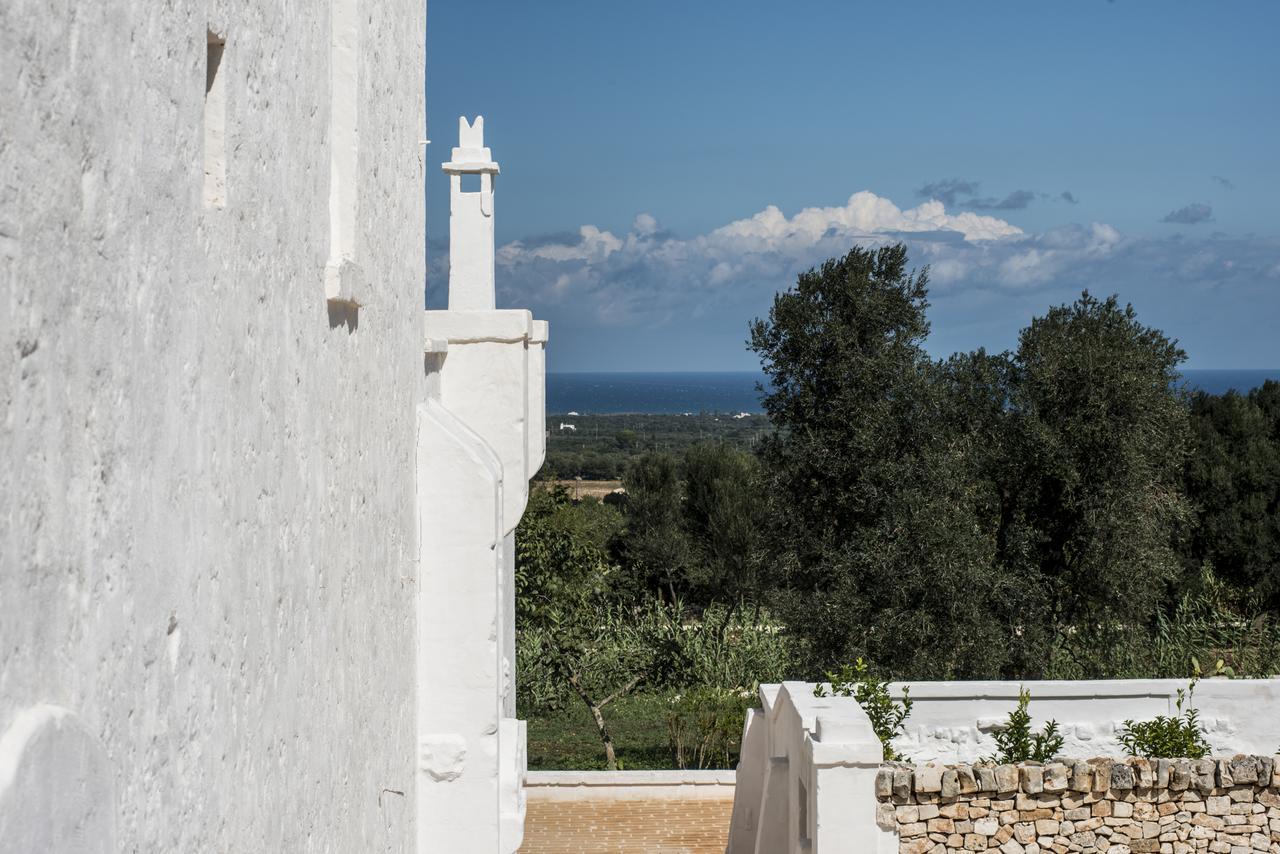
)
(1207, 622)
(719, 649)
(1015, 742)
(1212, 622)
(539, 686)
(1177, 737)
(704, 726)
(887, 716)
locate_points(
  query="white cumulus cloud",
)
(649, 278)
(650, 274)
(864, 214)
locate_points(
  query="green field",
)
(599, 446)
(568, 740)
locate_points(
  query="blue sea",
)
(735, 391)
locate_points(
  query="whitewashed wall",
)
(954, 721)
(806, 777)
(480, 438)
(805, 780)
(660, 785)
(207, 491)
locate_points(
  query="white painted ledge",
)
(629, 785)
(501, 326)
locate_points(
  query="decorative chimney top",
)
(471, 259)
(470, 155)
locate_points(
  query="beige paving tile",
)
(627, 827)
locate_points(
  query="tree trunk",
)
(597, 714)
(610, 758)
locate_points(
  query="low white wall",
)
(955, 721)
(805, 782)
(629, 785)
(807, 777)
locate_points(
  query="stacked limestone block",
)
(1171, 806)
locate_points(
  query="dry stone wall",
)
(1171, 806)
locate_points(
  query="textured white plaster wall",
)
(485, 372)
(664, 784)
(805, 777)
(49, 742)
(207, 497)
(956, 721)
(784, 741)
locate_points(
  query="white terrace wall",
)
(806, 777)
(954, 721)
(211, 345)
(672, 784)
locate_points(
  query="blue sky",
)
(668, 166)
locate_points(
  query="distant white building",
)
(256, 521)
(572, 427)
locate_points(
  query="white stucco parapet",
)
(955, 721)
(806, 777)
(537, 433)
(512, 799)
(486, 389)
(494, 374)
(497, 326)
(458, 721)
(485, 381)
(661, 784)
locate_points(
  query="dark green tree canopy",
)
(849, 383)
(876, 503)
(980, 516)
(1234, 480)
(1100, 435)
(652, 545)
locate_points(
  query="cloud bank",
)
(649, 274)
(986, 272)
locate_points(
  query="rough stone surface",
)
(1116, 806)
(1032, 778)
(1122, 776)
(208, 542)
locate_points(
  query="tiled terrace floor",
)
(689, 826)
